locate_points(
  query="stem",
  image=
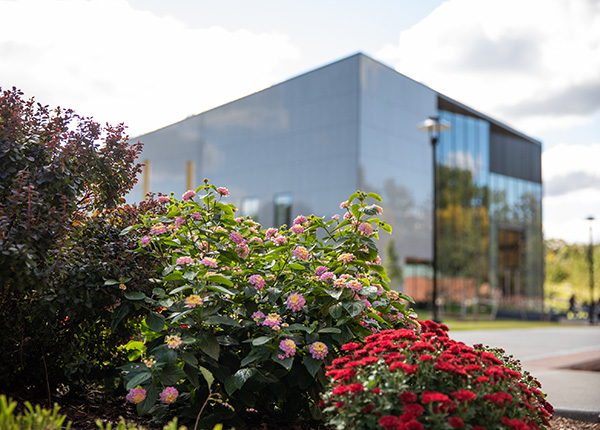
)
(210, 393)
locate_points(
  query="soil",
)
(84, 411)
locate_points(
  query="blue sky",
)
(533, 64)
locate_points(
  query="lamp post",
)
(592, 308)
(434, 126)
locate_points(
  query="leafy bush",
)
(402, 379)
(257, 312)
(61, 178)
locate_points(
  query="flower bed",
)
(402, 379)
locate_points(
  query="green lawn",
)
(485, 324)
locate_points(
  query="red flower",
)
(339, 405)
(388, 422)
(500, 398)
(456, 422)
(368, 408)
(464, 395)
(408, 397)
(368, 360)
(426, 357)
(514, 424)
(376, 390)
(414, 410)
(432, 396)
(356, 388)
(407, 368)
(422, 346)
(351, 346)
(340, 390)
(411, 425)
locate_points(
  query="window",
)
(283, 209)
(251, 207)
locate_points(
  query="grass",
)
(484, 324)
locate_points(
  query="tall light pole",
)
(592, 308)
(434, 126)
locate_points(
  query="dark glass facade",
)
(303, 146)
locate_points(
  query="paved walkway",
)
(550, 354)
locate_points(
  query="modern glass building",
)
(304, 145)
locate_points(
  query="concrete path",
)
(550, 354)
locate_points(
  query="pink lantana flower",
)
(163, 199)
(327, 276)
(169, 395)
(345, 258)
(184, 260)
(273, 320)
(300, 219)
(256, 316)
(295, 302)
(365, 228)
(319, 350)
(301, 253)
(173, 341)
(297, 228)
(189, 194)
(258, 281)
(223, 191)
(179, 221)
(242, 250)
(288, 346)
(271, 232)
(136, 395)
(237, 237)
(158, 228)
(209, 262)
(280, 240)
(193, 300)
(144, 241)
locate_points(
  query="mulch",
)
(84, 411)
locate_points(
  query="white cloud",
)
(107, 60)
(572, 191)
(497, 56)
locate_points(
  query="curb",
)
(589, 416)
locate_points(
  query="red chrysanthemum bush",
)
(402, 379)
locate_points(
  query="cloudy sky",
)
(533, 64)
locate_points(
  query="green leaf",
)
(353, 196)
(378, 318)
(329, 330)
(369, 210)
(189, 359)
(128, 229)
(134, 295)
(180, 289)
(369, 291)
(209, 345)
(374, 196)
(335, 293)
(208, 376)
(175, 276)
(221, 290)
(155, 322)
(171, 375)
(118, 315)
(255, 354)
(190, 275)
(354, 308)
(355, 209)
(386, 227)
(220, 279)
(111, 282)
(286, 362)
(297, 326)
(336, 310)
(312, 364)
(238, 379)
(151, 396)
(138, 379)
(296, 266)
(222, 320)
(261, 340)
(192, 375)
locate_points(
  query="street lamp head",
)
(434, 125)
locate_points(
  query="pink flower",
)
(327, 276)
(144, 241)
(184, 260)
(354, 285)
(299, 219)
(365, 229)
(280, 240)
(209, 262)
(301, 253)
(223, 191)
(344, 205)
(257, 316)
(289, 347)
(242, 250)
(193, 300)
(236, 237)
(169, 395)
(136, 395)
(319, 350)
(273, 320)
(173, 341)
(336, 217)
(158, 228)
(270, 232)
(258, 281)
(188, 195)
(345, 258)
(163, 199)
(320, 270)
(179, 221)
(196, 215)
(297, 228)
(295, 302)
